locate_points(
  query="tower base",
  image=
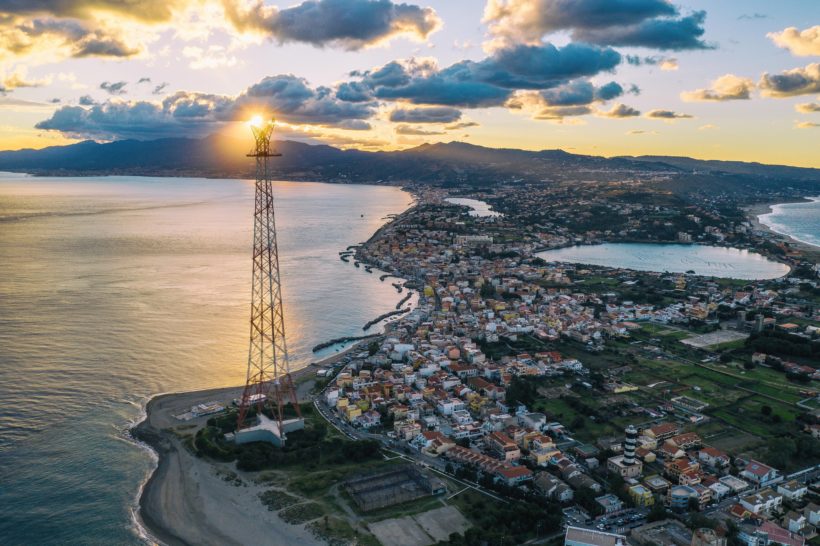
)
(267, 430)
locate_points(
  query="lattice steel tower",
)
(268, 381)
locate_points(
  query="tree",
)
(766, 410)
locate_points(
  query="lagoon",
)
(710, 261)
(479, 209)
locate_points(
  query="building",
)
(502, 447)
(552, 487)
(641, 495)
(576, 536)
(610, 503)
(793, 490)
(667, 532)
(678, 497)
(761, 474)
(707, 537)
(627, 465)
(763, 502)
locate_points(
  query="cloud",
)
(87, 100)
(571, 99)
(490, 82)
(806, 125)
(667, 115)
(725, 88)
(635, 132)
(159, 89)
(804, 43)
(807, 108)
(61, 38)
(351, 24)
(288, 98)
(791, 83)
(461, 125)
(620, 111)
(648, 23)
(18, 78)
(416, 131)
(708, 127)
(439, 114)
(752, 16)
(144, 79)
(114, 88)
(668, 34)
(665, 63)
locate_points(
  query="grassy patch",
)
(302, 513)
(276, 500)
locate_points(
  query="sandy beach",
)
(190, 501)
(754, 211)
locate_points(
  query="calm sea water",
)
(114, 289)
(710, 261)
(798, 220)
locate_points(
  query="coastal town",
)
(566, 403)
(653, 408)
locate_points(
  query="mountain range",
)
(446, 164)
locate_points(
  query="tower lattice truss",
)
(268, 384)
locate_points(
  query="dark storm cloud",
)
(352, 24)
(668, 34)
(439, 114)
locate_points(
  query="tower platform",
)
(267, 430)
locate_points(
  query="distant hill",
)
(736, 167)
(446, 164)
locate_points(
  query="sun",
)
(256, 121)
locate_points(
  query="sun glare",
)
(256, 121)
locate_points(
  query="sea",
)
(114, 289)
(801, 221)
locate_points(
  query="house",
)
(641, 495)
(502, 447)
(760, 474)
(812, 513)
(662, 432)
(796, 522)
(735, 484)
(513, 475)
(793, 490)
(686, 441)
(768, 533)
(678, 497)
(763, 502)
(576, 536)
(610, 503)
(683, 471)
(552, 487)
(713, 457)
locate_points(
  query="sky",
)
(728, 79)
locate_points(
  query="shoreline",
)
(169, 503)
(173, 486)
(753, 212)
